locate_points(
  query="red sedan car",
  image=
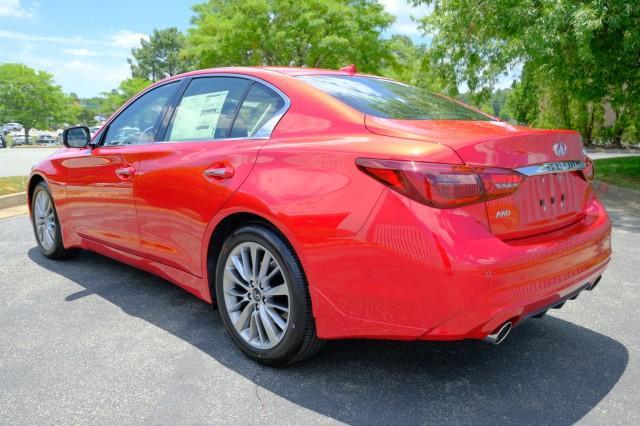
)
(317, 204)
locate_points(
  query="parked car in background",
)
(12, 127)
(46, 140)
(319, 204)
(3, 142)
(18, 139)
(94, 130)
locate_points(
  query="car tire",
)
(260, 293)
(46, 224)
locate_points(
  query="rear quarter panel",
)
(309, 187)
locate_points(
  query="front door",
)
(101, 192)
(209, 148)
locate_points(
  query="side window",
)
(207, 109)
(140, 121)
(260, 105)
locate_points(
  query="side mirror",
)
(76, 137)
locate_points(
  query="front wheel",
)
(263, 297)
(46, 225)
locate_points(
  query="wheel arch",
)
(34, 180)
(225, 227)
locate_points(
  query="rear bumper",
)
(421, 273)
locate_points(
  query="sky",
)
(85, 43)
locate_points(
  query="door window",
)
(207, 109)
(258, 108)
(140, 121)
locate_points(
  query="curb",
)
(634, 151)
(13, 200)
(605, 188)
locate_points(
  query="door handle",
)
(220, 173)
(126, 172)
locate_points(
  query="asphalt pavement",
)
(91, 340)
(18, 161)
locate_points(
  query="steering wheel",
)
(147, 135)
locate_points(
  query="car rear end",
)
(514, 242)
(507, 229)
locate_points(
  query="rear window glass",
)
(391, 99)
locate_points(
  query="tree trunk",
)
(588, 131)
(618, 128)
(26, 135)
(617, 138)
(566, 113)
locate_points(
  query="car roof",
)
(257, 71)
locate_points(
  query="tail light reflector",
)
(589, 172)
(442, 185)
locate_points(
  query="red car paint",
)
(379, 264)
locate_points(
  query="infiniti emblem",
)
(560, 149)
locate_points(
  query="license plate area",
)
(541, 204)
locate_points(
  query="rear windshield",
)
(391, 99)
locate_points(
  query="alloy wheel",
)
(45, 220)
(256, 295)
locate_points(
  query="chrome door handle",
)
(223, 172)
(126, 172)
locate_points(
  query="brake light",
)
(589, 171)
(442, 185)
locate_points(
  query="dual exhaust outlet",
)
(499, 334)
(503, 331)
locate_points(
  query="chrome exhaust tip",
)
(499, 334)
(595, 283)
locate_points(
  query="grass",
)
(623, 171)
(12, 184)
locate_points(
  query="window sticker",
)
(197, 116)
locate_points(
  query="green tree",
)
(31, 98)
(313, 33)
(114, 99)
(89, 108)
(409, 63)
(406, 61)
(580, 53)
(160, 56)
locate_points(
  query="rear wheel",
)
(263, 297)
(46, 225)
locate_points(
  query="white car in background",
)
(93, 130)
(18, 140)
(12, 127)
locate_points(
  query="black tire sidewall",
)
(299, 311)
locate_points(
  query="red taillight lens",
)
(442, 185)
(589, 172)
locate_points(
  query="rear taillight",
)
(442, 185)
(589, 171)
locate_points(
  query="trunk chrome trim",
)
(552, 167)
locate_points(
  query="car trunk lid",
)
(554, 192)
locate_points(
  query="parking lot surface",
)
(93, 341)
(18, 161)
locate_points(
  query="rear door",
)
(101, 180)
(207, 150)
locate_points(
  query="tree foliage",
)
(160, 56)
(31, 98)
(575, 54)
(114, 99)
(311, 33)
